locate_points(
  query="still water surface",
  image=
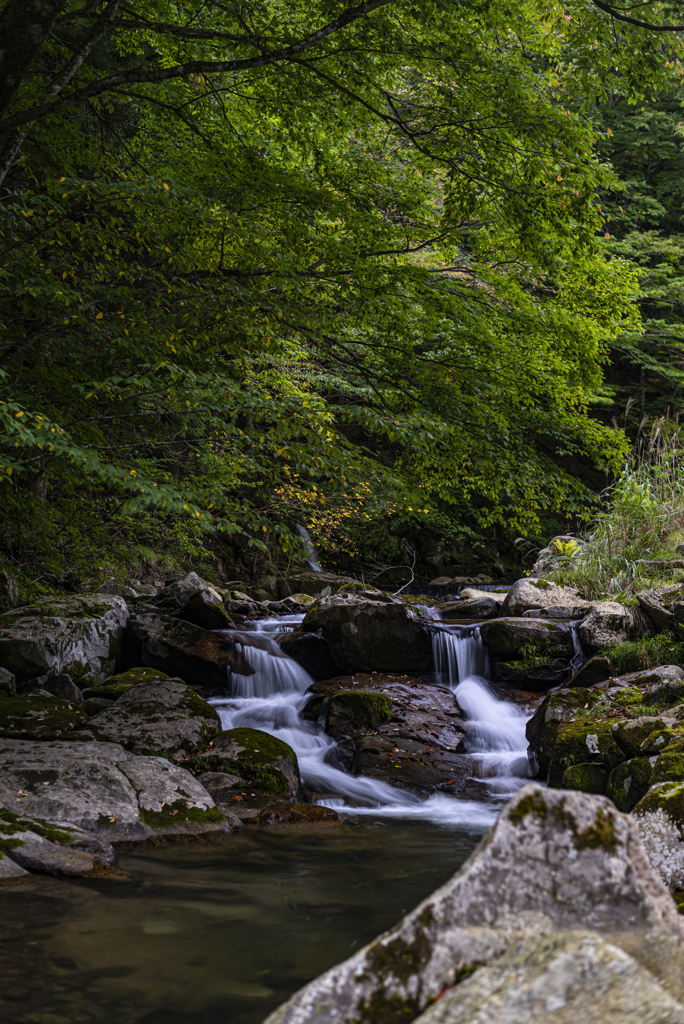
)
(216, 932)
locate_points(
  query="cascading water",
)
(272, 700)
(495, 734)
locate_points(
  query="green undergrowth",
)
(649, 652)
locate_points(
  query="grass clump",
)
(648, 652)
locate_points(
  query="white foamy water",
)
(273, 697)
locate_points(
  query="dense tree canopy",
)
(262, 260)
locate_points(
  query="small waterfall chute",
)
(310, 552)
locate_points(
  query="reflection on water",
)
(220, 932)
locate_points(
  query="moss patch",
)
(533, 803)
(178, 813)
(586, 778)
(257, 757)
(582, 742)
(39, 718)
(629, 782)
(117, 685)
(354, 711)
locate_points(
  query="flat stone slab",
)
(104, 789)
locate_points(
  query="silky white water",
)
(273, 697)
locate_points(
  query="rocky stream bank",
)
(193, 712)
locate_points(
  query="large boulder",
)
(312, 652)
(163, 716)
(531, 593)
(376, 632)
(528, 654)
(659, 819)
(554, 863)
(40, 717)
(200, 657)
(607, 624)
(315, 584)
(557, 709)
(580, 743)
(198, 601)
(78, 634)
(258, 761)
(104, 789)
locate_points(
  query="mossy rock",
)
(587, 778)
(265, 763)
(667, 797)
(629, 782)
(117, 685)
(39, 718)
(178, 813)
(659, 739)
(629, 735)
(668, 767)
(582, 742)
(558, 707)
(356, 711)
(311, 622)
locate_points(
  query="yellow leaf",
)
(99, 316)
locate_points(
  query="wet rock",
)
(223, 787)
(537, 593)
(382, 633)
(62, 685)
(358, 711)
(40, 717)
(581, 742)
(8, 684)
(103, 789)
(555, 710)
(34, 853)
(410, 764)
(163, 716)
(198, 601)
(263, 763)
(595, 670)
(288, 814)
(568, 978)
(75, 634)
(311, 652)
(199, 657)
(607, 624)
(481, 608)
(555, 862)
(93, 705)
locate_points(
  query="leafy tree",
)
(259, 260)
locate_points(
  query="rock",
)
(659, 820)
(315, 584)
(9, 870)
(473, 594)
(557, 611)
(34, 853)
(549, 558)
(40, 718)
(629, 782)
(62, 685)
(160, 717)
(93, 705)
(117, 685)
(569, 978)
(411, 764)
(311, 652)
(104, 789)
(482, 608)
(581, 742)
(528, 654)
(358, 711)
(198, 601)
(557, 708)
(223, 787)
(8, 684)
(73, 634)
(659, 606)
(586, 778)
(553, 863)
(607, 624)
(595, 670)
(630, 734)
(297, 814)
(263, 763)
(649, 679)
(381, 634)
(199, 657)
(537, 593)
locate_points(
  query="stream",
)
(226, 930)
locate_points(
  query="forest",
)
(409, 276)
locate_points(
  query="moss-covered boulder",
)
(163, 716)
(528, 654)
(668, 767)
(659, 739)
(629, 782)
(630, 734)
(40, 718)
(117, 685)
(659, 819)
(581, 742)
(77, 634)
(594, 670)
(356, 711)
(586, 778)
(263, 762)
(557, 708)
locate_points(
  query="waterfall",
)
(495, 735)
(309, 550)
(273, 672)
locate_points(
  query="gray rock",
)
(164, 715)
(374, 633)
(9, 869)
(38, 854)
(570, 978)
(61, 685)
(311, 652)
(93, 705)
(554, 862)
(480, 608)
(263, 763)
(104, 789)
(537, 593)
(53, 635)
(8, 683)
(659, 605)
(594, 670)
(608, 623)
(198, 601)
(529, 654)
(221, 785)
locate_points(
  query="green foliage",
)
(649, 652)
(252, 289)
